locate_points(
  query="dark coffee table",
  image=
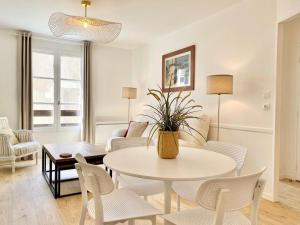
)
(52, 174)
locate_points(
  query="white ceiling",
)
(143, 20)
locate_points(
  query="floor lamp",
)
(219, 84)
(129, 93)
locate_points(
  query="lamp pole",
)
(128, 113)
(219, 101)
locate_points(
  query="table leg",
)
(59, 181)
(50, 171)
(43, 160)
(167, 196)
(55, 183)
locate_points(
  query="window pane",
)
(70, 67)
(43, 90)
(43, 115)
(70, 115)
(70, 91)
(42, 65)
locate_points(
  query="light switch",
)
(266, 107)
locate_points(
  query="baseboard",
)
(264, 130)
(281, 177)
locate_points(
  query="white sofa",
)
(118, 141)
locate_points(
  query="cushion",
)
(191, 144)
(25, 148)
(201, 125)
(119, 133)
(13, 139)
(148, 130)
(136, 129)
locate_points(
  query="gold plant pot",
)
(167, 146)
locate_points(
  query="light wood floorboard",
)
(25, 199)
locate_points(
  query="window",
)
(57, 89)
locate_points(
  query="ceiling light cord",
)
(85, 4)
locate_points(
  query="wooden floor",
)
(25, 199)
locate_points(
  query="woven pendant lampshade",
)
(84, 28)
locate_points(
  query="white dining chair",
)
(188, 189)
(109, 206)
(220, 200)
(142, 187)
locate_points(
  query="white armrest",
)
(119, 133)
(5, 146)
(121, 143)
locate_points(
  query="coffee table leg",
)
(167, 196)
(57, 194)
(50, 171)
(59, 181)
(43, 160)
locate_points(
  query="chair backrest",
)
(236, 152)
(94, 178)
(4, 123)
(229, 194)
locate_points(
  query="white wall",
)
(289, 98)
(8, 77)
(287, 9)
(112, 70)
(236, 42)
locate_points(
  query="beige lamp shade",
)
(220, 84)
(129, 92)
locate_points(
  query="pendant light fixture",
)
(84, 28)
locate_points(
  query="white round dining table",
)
(190, 164)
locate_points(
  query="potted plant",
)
(172, 111)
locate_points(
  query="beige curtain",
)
(87, 126)
(25, 82)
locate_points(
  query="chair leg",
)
(130, 222)
(146, 198)
(153, 220)
(116, 180)
(178, 203)
(36, 158)
(13, 165)
(83, 214)
(168, 223)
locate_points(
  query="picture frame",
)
(179, 66)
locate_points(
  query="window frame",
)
(57, 54)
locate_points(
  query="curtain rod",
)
(41, 36)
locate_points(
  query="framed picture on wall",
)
(178, 69)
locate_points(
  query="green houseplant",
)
(171, 111)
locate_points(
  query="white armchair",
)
(16, 144)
